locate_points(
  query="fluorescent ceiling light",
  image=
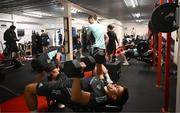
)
(73, 10)
(136, 2)
(36, 14)
(33, 15)
(131, 3)
(136, 15)
(140, 20)
(40, 13)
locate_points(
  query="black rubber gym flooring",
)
(138, 76)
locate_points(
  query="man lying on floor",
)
(92, 92)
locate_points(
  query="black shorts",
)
(46, 88)
(110, 49)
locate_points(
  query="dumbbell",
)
(72, 68)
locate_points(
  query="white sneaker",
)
(125, 63)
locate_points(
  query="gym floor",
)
(138, 76)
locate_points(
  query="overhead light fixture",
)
(73, 10)
(140, 20)
(131, 3)
(36, 14)
(40, 13)
(32, 15)
(136, 15)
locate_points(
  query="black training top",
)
(60, 90)
(112, 38)
(45, 61)
(10, 36)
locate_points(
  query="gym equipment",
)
(142, 47)
(99, 55)
(114, 70)
(164, 19)
(146, 57)
(72, 68)
(44, 61)
(140, 52)
(90, 62)
(151, 27)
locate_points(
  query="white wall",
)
(29, 24)
(51, 26)
(118, 28)
(21, 22)
(140, 28)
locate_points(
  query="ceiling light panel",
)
(131, 3)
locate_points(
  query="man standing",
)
(45, 40)
(10, 38)
(96, 30)
(111, 47)
(11, 45)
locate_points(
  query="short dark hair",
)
(13, 27)
(122, 99)
(124, 96)
(93, 16)
(110, 26)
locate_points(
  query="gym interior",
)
(39, 36)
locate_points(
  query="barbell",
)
(165, 18)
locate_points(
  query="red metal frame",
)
(159, 59)
(167, 71)
(154, 49)
(159, 54)
(150, 39)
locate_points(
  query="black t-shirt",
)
(93, 85)
(112, 38)
(10, 36)
(45, 61)
(60, 90)
(98, 94)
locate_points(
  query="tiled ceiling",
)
(112, 9)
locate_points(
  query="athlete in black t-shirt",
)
(111, 47)
(92, 92)
(68, 91)
(51, 55)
